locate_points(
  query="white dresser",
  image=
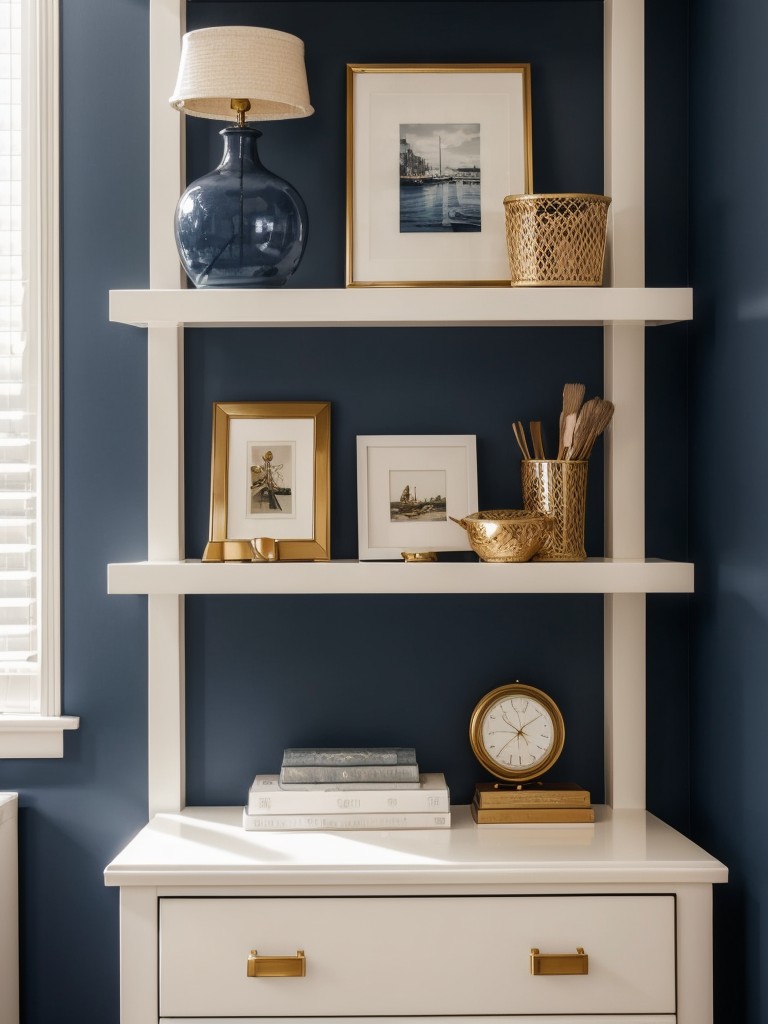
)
(416, 923)
(9, 909)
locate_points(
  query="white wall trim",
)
(49, 511)
(34, 735)
(42, 735)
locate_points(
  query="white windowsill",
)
(34, 735)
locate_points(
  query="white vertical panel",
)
(166, 703)
(694, 954)
(138, 955)
(165, 367)
(166, 353)
(624, 354)
(165, 402)
(625, 140)
(166, 154)
(624, 667)
(624, 377)
(625, 657)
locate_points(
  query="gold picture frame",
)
(470, 135)
(270, 478)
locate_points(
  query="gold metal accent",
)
(265, 549)
(228, 551)
(558, 488)
(361, 69)
(260, 549)
(556, 239)
(240, 107)
(419, 556)
(277, 966)
(487, 703)
(506, 534)
(560, 963)
(316, 547)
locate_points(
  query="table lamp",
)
(241, 226)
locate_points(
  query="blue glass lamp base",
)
(240, 226)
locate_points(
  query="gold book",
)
(531, 794)
(532, 815)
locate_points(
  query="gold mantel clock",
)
(516, 732)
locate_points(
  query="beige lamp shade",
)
(230, 62)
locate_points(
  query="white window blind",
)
(28, 385)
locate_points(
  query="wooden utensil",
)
(519, 432)
(594, 417)
(602, 417)
(573, 396)
(538, 439)
(581, 430)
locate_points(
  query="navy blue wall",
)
(76, 813)
(729, 498)
(266, 674)
(364, 663)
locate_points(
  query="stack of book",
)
(535, 803)
(336, 788)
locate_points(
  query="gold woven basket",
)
(556, 239)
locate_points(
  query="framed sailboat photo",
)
(409, 487)
(432, 150)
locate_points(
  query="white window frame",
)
(42, 735)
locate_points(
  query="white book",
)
(266, 796)
(356, 787)
(342, 822)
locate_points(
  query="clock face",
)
(517, 732)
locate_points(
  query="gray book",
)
(344, 756)
(351, 773)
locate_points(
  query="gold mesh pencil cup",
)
(558, 488)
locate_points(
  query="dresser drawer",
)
(399, 956)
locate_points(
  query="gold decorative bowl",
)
(506, 534)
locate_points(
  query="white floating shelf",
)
(594, 576)
(398, 307)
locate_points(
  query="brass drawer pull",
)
(277, 966)
(560, 963)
